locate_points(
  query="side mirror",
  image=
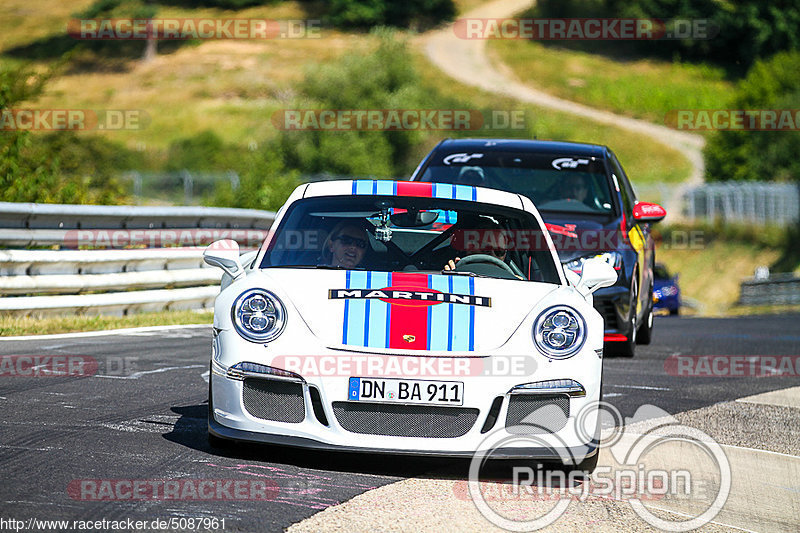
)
(596, 274)
(647, 212)
(225, 255)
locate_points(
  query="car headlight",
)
(559, 332)
(612, 258)
(258, 315)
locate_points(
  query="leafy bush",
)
(760, 155)
(747, 29)
(60, 167)
(383, 79)
(420, 14)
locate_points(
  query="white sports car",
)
(406, 318)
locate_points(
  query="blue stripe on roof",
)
(363, 187)
(386, 187)
(443, 190)
(463, 192)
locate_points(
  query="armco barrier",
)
(115, 281)
(779, 289)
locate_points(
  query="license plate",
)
(406, 391)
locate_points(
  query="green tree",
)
(420, 14)
(760, 155)
(20, 177)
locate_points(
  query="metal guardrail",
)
(73, 216)
(744, 202)
(115, 281)
(779, 289)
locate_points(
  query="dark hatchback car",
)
(589, 208)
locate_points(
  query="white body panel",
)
(318, 326)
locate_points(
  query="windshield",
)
(391, 234)
(552, 182)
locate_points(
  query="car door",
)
(637, 234)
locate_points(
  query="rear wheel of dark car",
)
(627, 348)
(645, 335)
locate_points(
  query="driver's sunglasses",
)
(347, 240)
(497, 252)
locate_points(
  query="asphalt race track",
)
(142, 416)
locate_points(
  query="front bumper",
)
(321, 425)
(542, 453)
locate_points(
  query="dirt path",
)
(468, 62)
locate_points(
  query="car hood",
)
(383, 311)
(574, 238)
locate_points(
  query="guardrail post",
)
(188, 185)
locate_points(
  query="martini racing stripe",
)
(375, 323)
(409, 323)
(454, 192)
(445, 191)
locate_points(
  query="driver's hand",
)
(451, 265)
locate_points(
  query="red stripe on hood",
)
(408, 320)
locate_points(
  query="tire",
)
(589, 464)
(628, 348)
(645, 335)
(675, 311)
(585, 467)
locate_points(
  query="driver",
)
(346, 245)
(470, 176)
(498, 250)
(574, 187)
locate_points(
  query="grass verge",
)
(16, 325)
(711, 271)
(641, 88)
(646, 162)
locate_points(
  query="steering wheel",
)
(484, 258)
